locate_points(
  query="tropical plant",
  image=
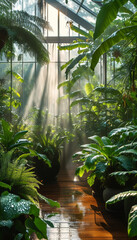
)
(10, 140)
(108, 13)
(9, 98)
(49, 145)
(81, 61)
(19, 219)
(132, 216)
(15, 173)
(101, 106)
(102, 109)
(22, 28)
(104, 156)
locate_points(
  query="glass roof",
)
(86, 9)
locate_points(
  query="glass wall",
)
(39, 89)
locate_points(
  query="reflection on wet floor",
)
(63, 228)
(79, 217)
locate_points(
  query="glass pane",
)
(71, 5)
(64, 55)
(28, 58)
(16, 84)
(53, 52)
(64, 27)
(29, 6)
(91, 5)
(87, 16)
(53, 20)
(18, 5)
(4, 67)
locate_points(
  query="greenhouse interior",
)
(68, 119)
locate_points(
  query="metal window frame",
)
(85, 8)
(75, 17)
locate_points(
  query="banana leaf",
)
(74, 46)
(127, 33)
(82, 32)
(107, 14)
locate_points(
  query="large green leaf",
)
(49, 201)
(20, 143)
(63, 84)
(123, 173)
(32, 228)
(89, 88)
(117, 131)
(97, 139)
(80, 100)
(121, 196)
(11, 206)
(74, 63)
(129, 151)
(41, 225)
(108, 90)
(66, 64)
(19, 135)
(132, 222)
(93, 147)
(80, 171)
(122, 34)
(82, 32)
(75, 94)
(125, 162)
(91, 162)
(110, 149)
(107, 14)
(49, 223)
(101, 168)
(91, 179)
(74, 46)
(5, 185)
(78, 154)
(106, 140)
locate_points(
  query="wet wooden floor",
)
(81, 216)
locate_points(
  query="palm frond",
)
(25, 30)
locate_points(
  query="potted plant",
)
(19, 204)
(105, 155)
(47, 144)
(130, 203)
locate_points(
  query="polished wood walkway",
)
(81, 216)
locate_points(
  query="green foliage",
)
(127, 33)
(132, 217)
(19, 218)
(110, 159)
(24, 29)
(124, 31)
(85, 45)
(10, 140)
(16, 176)
(49, 201)
(107, 14)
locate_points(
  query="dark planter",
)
(107, 194)
(44, 172)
